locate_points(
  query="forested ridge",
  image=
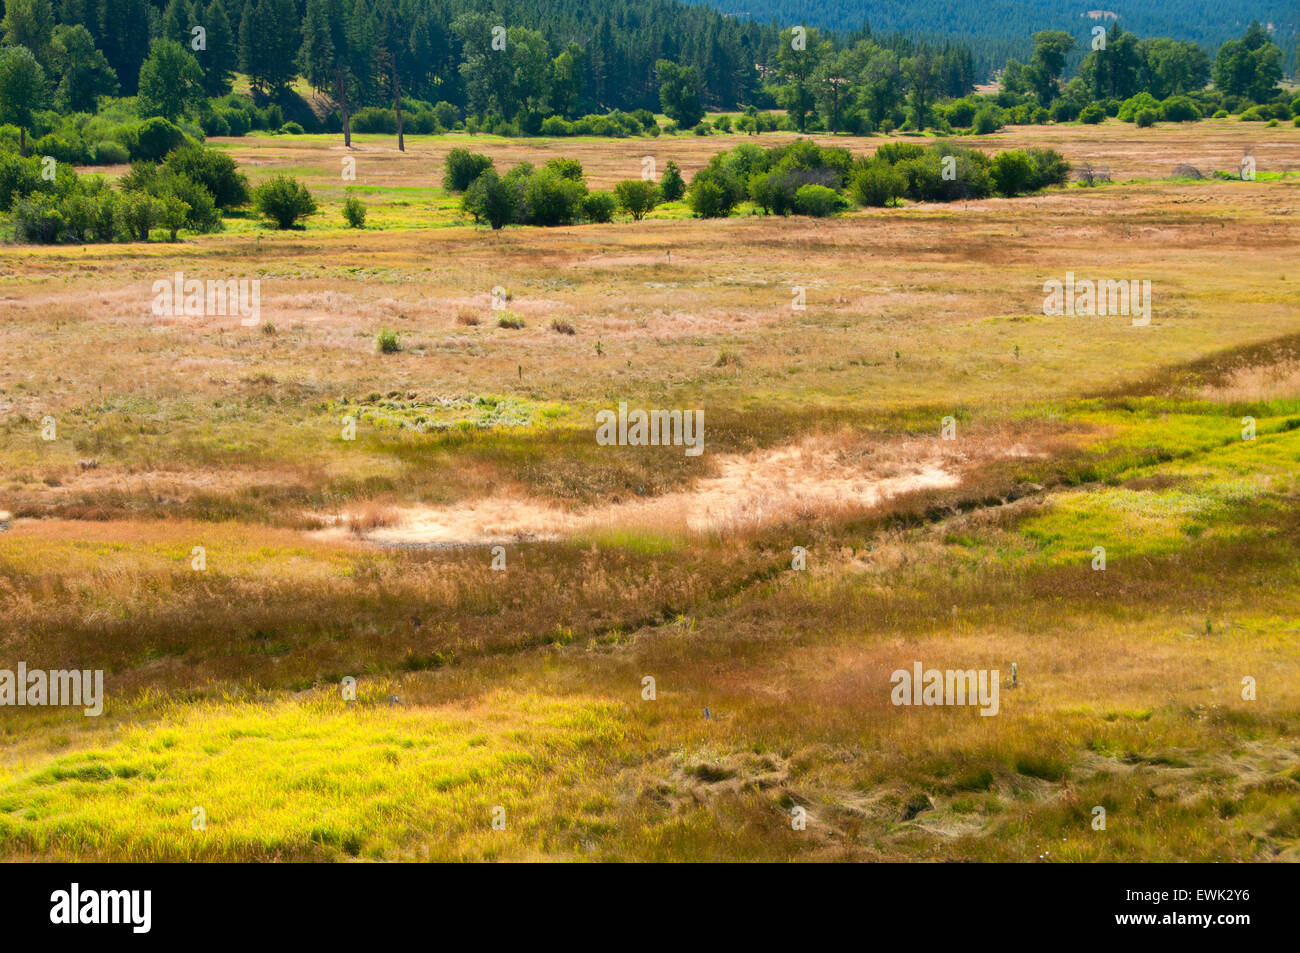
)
(996, 30)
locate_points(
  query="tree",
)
(22, 90)
(171, 81)
(268, 44)
(1048, 62)
(177, 19)
(29, 23)
(118, 35)
(84, 73)
(832, 84)
(919, 71)
(221, 56)
(566, 81)
(1251, 66)
(679, 93)
(492, 199)
(797, 60)
(636, 197)
(671, 184)
(317, 53)
(1114, 71)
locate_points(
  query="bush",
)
(463, 169)
(988, 120)
(636, 197)
(374, 119)
(446, 114)
(551, 199)
(961, 112)
(1092, 114)
(1146, 117)
(877, 184)
(237, 120)
(284, 201)
(214, 170)
(1064, 110)
(1220, 114)
(386, 341)
(1012, 173)
(893, 152)
(570, 169)
(599, 207)
(354, 212)
(1129, 109)
(19, 177)
(492, 199)
(155, 138)
(1049, 168)
(109, 152)
(511, 321)
(709, 200)
(556, 126)
(291, 129)
(671, 184)
(1179, 109)
(39, 219)
(139, 212)
(817, 201)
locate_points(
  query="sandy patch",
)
(807, 481)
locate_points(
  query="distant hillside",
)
(996, 29)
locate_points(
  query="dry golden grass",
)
(523, 687)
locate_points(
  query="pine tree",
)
(317, 54)
(177, 20)
(221, 57)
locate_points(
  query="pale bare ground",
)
(815, 478)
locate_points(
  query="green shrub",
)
(139, 212)
(1012, 173)
(671, 184)
(636, 197)
(877, 184)
(291, 129)
(1092, 114)
(551, 199)
(1129, 109)
(709, 200)
(374, 119)
(511, 321)
(599, 207)
(237, 120)
(988, 120)
(109, 152)
(463, 168)
(354, 212)
(556, 126)
(817, 201)
(1220, 114)
(492, 199)
(284, 201)
(1179, 109)
(214, 170)
(386, 341)
(155, 138)
(1146, 117)
(893, 152)
(1050, 168)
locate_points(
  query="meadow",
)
(517, 694)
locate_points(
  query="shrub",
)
(492, 199)
(562, 327)
(155, 138)
(877, 184)
(671, 184)
(1092, 114)
(1064, 110)
(109, 152)
(38, 218)
(1146, 117)
(961, 112)
(291, 129)
(570, 169)
(1012, 173)
(1129, 109)
(551, 199)
(636, 197)
(374, 119)
(988, 120)
(386, 341)
(446, 114)
(773, 192)
(284, 201)
(599, 207)
(709, 200)
(354, 212)
(139, 212)
(556, 126)
(893, 152)
(1179, 109)
(511, 321)
(19, 177)
(1050, 168)
(1220, 114)
(817, 201)
(463, 169)
(214, 170)
(237, 120)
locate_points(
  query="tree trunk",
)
(343, 107)
(397, 100)
(22, 141)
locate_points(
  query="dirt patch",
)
(814, 479)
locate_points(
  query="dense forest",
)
(996, 30)
(587, 55)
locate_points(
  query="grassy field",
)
(518, 696)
